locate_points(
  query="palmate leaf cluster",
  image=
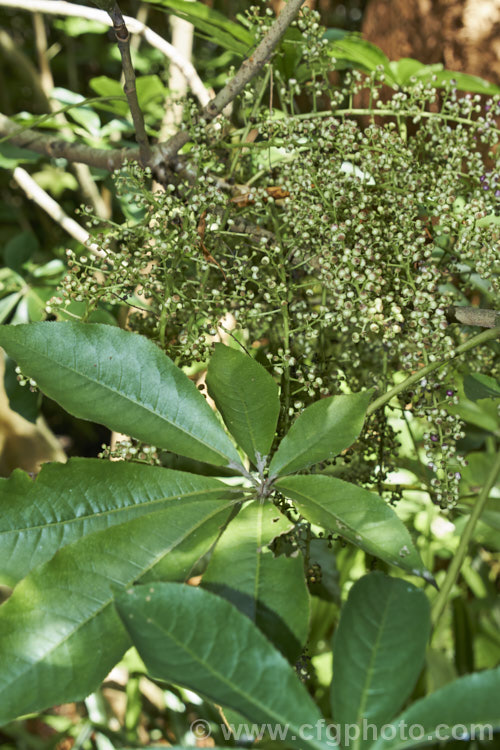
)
(322, 231)
(76, 607)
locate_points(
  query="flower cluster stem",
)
(481, 338)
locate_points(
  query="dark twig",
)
(248, 70)
(123, 39)
(52, 146)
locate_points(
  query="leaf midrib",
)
(311, 446)
(370, 668)
(283, 720)
(127, 399)
(108, 601)
(316, 504)
(101, 514)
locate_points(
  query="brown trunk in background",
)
(464, 35)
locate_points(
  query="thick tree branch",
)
(123, 40)
(55, 147)
(474, 316)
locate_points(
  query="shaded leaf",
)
(24, 402)
(270, 590)
(11, 156)
(8, 304)
(477, 386)
(328, 585)
(20, 249)
(191, 637)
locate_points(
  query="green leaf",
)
(333, 34)
(150, 88)
(464, 82)
(478, 413)
(477, 386)
(362, 54)
(218, 28)
(321, 432)
(8, 304)
(59, 633)
(20, 249)
(247, 398)
(270, 590)
(69, 501)
(406, 68)
(83, 115)
(78, 26)
(471, 700)
(11, 156)
(486, 221)
(120, 379)
(53, 268)
(327, 586)
(23, 401)
(356, 514)
(191, 637)
(378, 651)
(108, 87)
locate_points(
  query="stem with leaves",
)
(481, 338)
(459, 556)
(249, 68)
